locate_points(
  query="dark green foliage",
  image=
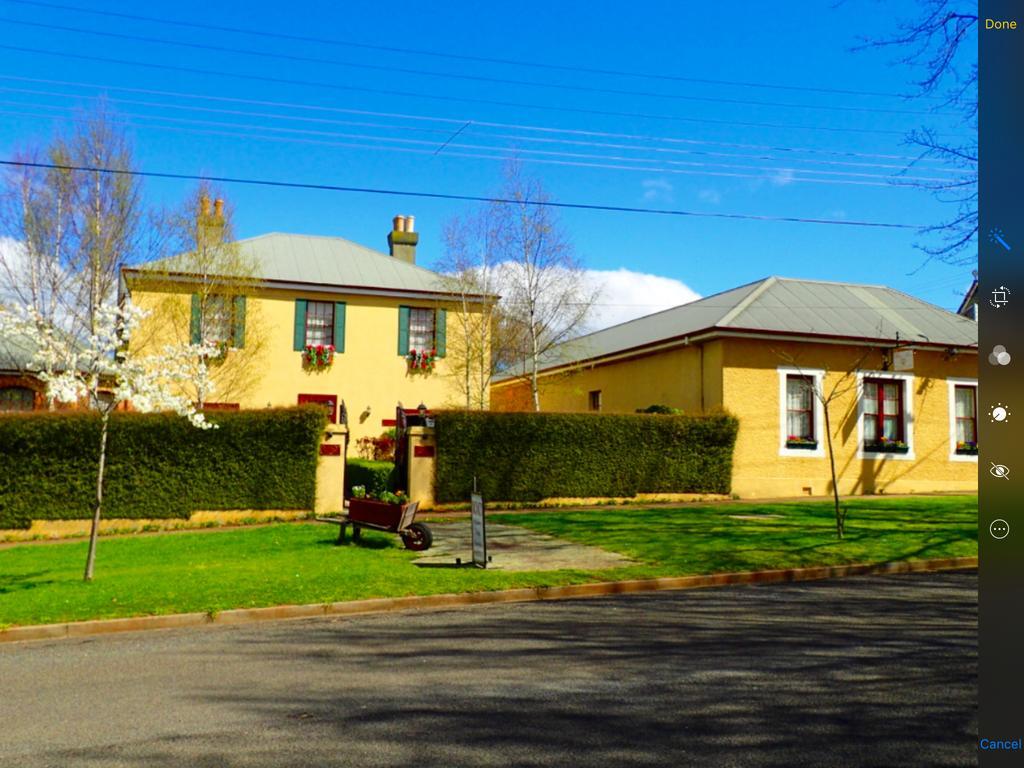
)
(158, 465)
(531, 456)
(662, 409)
(375, 476)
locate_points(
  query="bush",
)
(158, 465)
(531, 456)
(662, 409)
(374, 476)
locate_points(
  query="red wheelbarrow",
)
(381, 516)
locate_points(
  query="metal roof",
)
(778, 305)
(318, 260)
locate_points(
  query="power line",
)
(783, 177)
(450, 196)
(458, 76)
(455, 56)
(467, 124)
(490, 124)
(413, 94)
(520, 151)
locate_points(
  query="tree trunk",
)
(840, 523)
(534, 385)
(90, 560)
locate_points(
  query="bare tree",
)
(199, 295)
(827, 395)
(545, 292)
(940, 45)
(484, 338)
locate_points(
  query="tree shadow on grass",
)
(22, 581)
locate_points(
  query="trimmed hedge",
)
(375, 476)
(532, 456)
(158, 465)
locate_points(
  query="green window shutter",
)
(238, 332)
(300, 325)
(441, 332)
(195, 325)
(339, 326)
(403, 331)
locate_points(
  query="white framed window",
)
(801, 413)
(319, 323)
(421, 329)
(963, 419)
(885, 415)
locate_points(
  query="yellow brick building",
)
(898, 375)
(375, 309)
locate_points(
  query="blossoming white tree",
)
(102, 372)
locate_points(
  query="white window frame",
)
(908, 415)
(818, 375)
(952, 384)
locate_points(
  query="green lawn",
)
(297, 563)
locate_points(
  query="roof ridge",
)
(746, 301)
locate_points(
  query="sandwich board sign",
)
(479, 528)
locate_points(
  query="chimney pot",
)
(398, 224)
(218, 208)
(204, 205)
(410, 222)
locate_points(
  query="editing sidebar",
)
(1000, 403)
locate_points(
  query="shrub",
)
(531, 456)
(662, 409)
(158, 465)
(374, 476)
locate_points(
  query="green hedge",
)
(375, 476)
(158, 465)
(531, 456)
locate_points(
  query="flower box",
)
(422, 360)
(801, 444)
(319, 356)
(966, 449)
(886, 446)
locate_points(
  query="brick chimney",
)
(403, 238)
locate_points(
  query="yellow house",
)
(316, 319)
(892, 378)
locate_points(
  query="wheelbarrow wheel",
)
(417, 537)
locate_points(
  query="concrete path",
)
(861, 672)
(512, 548)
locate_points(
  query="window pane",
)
(891, 427)
(16, 399)
(319, 323)
(965, 402)
(217, 320)
(965, 431)
(798, 393)
(891, 399)
(870, 397)
(798, 424)
(870, 430)
(421, 329)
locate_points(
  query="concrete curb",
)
(425, 602)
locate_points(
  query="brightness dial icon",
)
(999, 412)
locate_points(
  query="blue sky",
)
(723, 156)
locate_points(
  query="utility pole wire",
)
(450, 196)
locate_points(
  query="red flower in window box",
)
(422, 360)
(319, 356)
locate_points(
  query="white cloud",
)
(657, 189)
(783, 177)
(712, 196)
(626, 295)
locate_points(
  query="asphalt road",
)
(857, 672)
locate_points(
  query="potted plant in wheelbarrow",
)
(389, 512)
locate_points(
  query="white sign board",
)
(903, 360)
(479, 526)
